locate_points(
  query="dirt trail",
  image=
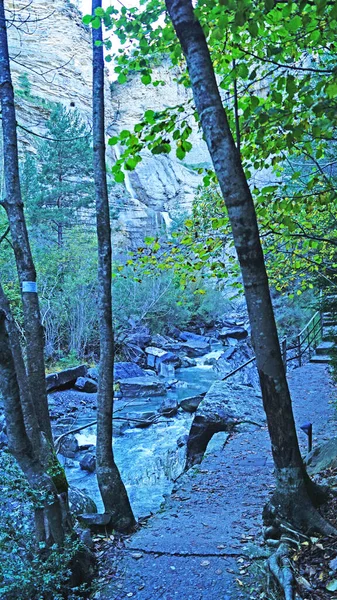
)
(200, 546)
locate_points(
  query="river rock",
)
(187, 336)
(127, 370)
(195, 348)
(182, 440)
(88, 462)
(191, 403)
(65, 378)
(237, 332)
(93, 373)
(85, 384)
(169, 407)
(140, 338)
(224, 406)
(80, 502)
(95, 521)
(69, 446)
(187, 362)
(142, 386)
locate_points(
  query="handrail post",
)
(284, 353)
(299, 350)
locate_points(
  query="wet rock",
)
(93, 373)
(80, 502)
(169, 407)
(182, 440)
(236, 332)
(187, 336)
(86, 538)
(69, 446)
(187, 362)
(88, 462)
(85, 384)
(191, 404)
(195, 348)
(66, 378)
(139, 338)
(87, 447)
(224, 406)
(142, 420)
(127, 370)
(142, 386)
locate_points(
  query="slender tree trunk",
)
(112, 489)
(292, 498)
(24, 261)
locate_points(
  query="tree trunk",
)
(294, 491)
(112, 489)
(24, 261)
(49, 521)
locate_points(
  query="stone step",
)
(329, 331)
(324, 347)
(321, 358)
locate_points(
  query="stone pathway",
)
(199, 546)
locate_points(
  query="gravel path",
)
(201, 545)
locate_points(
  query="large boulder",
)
(142, 386)
(187, 336)
(66, 378)
(191, 403)
(127, 370)
(85, 384)
(69, 446)
(224, 406)
(80, 502)
(195, 348)
(237, 332)
(140, 338)
(88, 462)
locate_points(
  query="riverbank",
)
(207, 541)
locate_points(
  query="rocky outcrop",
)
(224, 406)
(141, 387)
(65, 378)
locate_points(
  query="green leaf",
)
(122, 78)
(96, 23)
(180, 153)
(99, 12)
(113, 141)
(119, 177)
(87, 19)
(253, 28)
(146, 79)
(294, 24)
(331, 90)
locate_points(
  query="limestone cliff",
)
(51, 50)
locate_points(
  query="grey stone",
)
(182, 440)
(191, 404)
(84, 384)
(187, 362)
(80, 502)
(93, 373)
(142, 386)
(224, 406)
(127, 370)
(86, 538)
(143, 420)
(69, 446)
(88, 462)
(322, 457)
(65, 378)
(95, 521)
(238, 333)
(195, 348)
(187, 336)
(169, 407)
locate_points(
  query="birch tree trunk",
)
(295, 493)
(113, 492)
(23, 256)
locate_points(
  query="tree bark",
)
(50, 528)
(24, 261)
(114, 495)
(293, 487)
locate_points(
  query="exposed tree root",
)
(280, 567)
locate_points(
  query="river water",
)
(149, 459)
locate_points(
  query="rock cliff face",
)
(51, 49)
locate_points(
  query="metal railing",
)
(305, 342)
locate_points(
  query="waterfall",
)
(167, 220)
(127, 181)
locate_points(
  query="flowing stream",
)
(149, 459)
